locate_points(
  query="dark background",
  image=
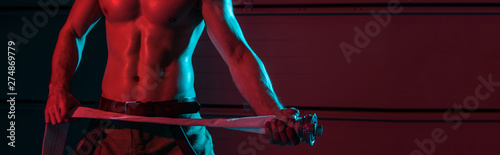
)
(393, 93)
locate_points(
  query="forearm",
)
(251, 79)
(248, 72)
(65, 59)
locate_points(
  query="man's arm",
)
(246, 68)
(67, 54)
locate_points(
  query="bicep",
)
(222, 27)
(83, 15)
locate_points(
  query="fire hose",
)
(307, 126)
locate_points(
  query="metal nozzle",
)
(319, 130)
(307, 127)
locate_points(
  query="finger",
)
(64, 115)
(52, 117)
(288, 111)
(283, 134)
(292, 112)
(289, 114)
(292, 136)
(47, 116)
(57, 113)
(269, 132)
(276, 135)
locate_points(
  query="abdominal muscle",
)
(148, 62)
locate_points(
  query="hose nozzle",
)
(308, 128)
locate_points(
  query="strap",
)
(55, 136)
(54, 139)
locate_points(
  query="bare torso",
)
(150, 44)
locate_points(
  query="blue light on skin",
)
(232, 23)
(186, 70)
(80, 42)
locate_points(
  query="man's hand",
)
(58, 106)
(277, 131)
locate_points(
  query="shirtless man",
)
(155, 39)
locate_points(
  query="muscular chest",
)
(154, 11)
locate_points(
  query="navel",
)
(135, 78)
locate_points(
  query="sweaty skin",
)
(150, 45)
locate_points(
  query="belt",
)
(161, 108)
